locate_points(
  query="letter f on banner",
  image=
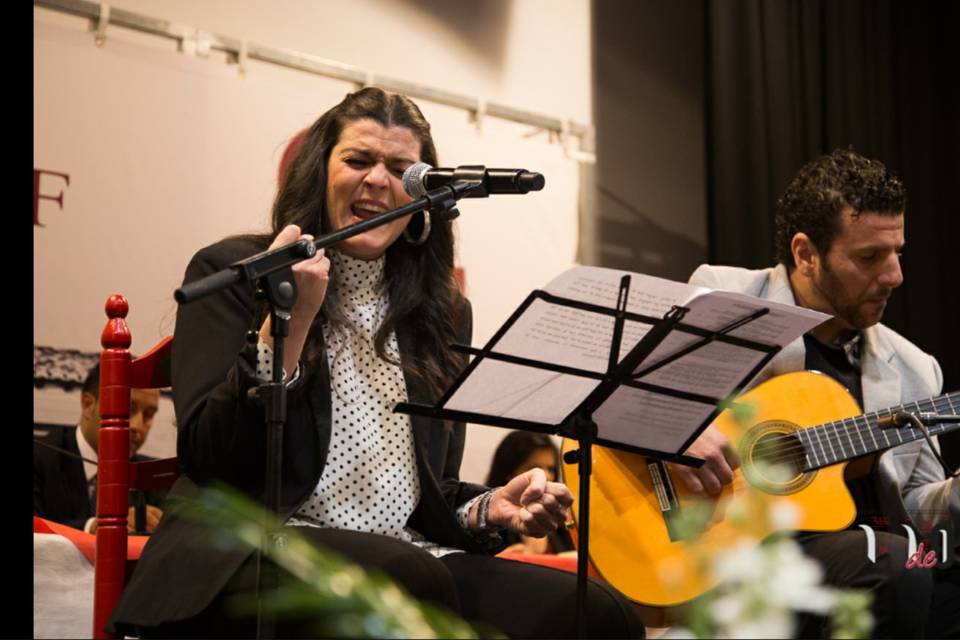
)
(37, 195)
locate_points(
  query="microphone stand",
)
(271, 272)
(441, 202)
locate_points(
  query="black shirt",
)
(841, 361)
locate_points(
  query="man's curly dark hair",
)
(826, 186)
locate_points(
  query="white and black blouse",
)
(370, 481)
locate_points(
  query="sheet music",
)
(580, 339)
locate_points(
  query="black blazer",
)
(222, 436)
(60, 483)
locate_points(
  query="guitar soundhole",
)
(773, 458)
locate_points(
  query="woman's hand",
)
(312, 277)
(529, 504)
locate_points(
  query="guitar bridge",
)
(660, 478)
(667, 497)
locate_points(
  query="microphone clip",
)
(900, 419)
(443, 200)
(445, 213)
(444, 205)
(470, 180)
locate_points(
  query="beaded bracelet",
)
(482, 525)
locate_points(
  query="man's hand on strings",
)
(717, 470)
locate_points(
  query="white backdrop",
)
(167, 153)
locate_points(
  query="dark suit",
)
(60, 489)
(222, 437)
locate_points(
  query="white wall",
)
(532, 54)
(169, 153)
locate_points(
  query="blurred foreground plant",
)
(763, 584)
(344, 599)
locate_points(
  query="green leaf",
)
(345, 600)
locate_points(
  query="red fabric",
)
(288, 154)
(86, 542)
(564, 563)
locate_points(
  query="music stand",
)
(579, 424)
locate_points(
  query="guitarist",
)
(839, 235)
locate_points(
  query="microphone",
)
(903, 419)
(896, 420)
(420, 177)
(928, 417)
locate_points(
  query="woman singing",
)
(371, 327)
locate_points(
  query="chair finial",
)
(117, 306)
(116, 335)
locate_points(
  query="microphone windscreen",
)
(413, 179)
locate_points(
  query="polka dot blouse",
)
(369, 482)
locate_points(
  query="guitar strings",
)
(877, 435)
(796, 447)
(829, 445)
(856, 430)
(792, 445)
(870, 421)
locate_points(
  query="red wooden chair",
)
(116, 475)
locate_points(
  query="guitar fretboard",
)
(841, 440)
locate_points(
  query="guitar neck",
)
(842, 440)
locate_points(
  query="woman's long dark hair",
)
(513, 451)
(423, 293)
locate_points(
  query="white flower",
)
(728, 608)
(743, 562)
(784, 515)
(771, 623)
(762, 586)
(794, 580)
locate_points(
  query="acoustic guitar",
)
(804, 431)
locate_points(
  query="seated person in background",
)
(65, 461)
(518, 452)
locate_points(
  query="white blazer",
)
(894, 371)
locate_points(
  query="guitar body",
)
(633, 544)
